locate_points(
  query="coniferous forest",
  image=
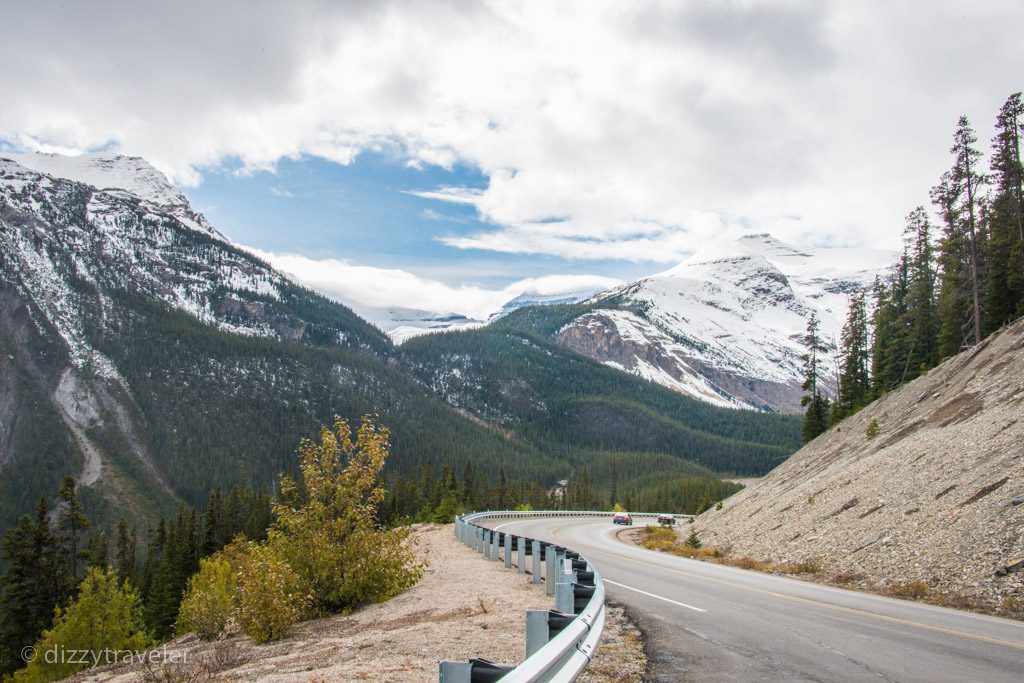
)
(959, 278)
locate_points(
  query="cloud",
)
(367, 287)
(631, 122)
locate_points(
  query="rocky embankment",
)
(932, 505)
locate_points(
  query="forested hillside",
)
(514, 376)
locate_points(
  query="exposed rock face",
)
(605, 336)
(929, 499)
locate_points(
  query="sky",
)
(454, 151)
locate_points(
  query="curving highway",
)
(710, 622)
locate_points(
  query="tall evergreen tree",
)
(854, 380)
(124, 552)
(33, 584)
(213, 525)
(954, 307)
(817, 404)
(96, 552)
(1004, 277)
(72, 527)
(921, 315)
(966, 173)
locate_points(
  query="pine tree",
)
(921, 316)
(816, 417)
(1004, 277)
(96, 552)
(954, 308)
(966, 173)
(854, 380)
(213, 525)
(72, 527)
(33, 584)
(124, 552)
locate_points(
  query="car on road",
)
(667, 520)
(622, 518)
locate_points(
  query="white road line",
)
(652, 595)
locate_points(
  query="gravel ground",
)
(464, 607)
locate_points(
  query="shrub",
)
(749, 563)
(269, 596)
(914, 590)
(809, 566)
(209, 600)
(106, 616)
(693, 540)
(872, 430)
(326, 529)
(660, 538)
(718, 505)
(709, 552)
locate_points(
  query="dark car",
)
(622, 518)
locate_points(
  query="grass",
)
(668, 541)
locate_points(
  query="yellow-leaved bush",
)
(270, 597)
(326, 528)
(325, 552)
(209, 601)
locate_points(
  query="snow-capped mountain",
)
(133, 175)
(726, 325)
(139, 235)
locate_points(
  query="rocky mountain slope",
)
(726, 325)
(937, 496)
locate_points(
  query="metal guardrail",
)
(559, 642)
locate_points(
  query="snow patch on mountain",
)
(734, 315)
(655, 356)
(136, 242)
(134, 175)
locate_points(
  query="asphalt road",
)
(709, 622)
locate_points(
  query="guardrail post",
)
(508, 551)
(483, 541)
(565, 595)
(535, 550)
(521, 558)
(495, 545)
(536, 630)
(550, 570)
(456, 672)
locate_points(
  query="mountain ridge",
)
(727, 325)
